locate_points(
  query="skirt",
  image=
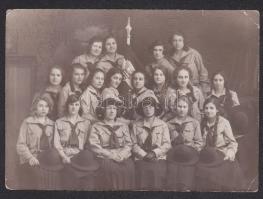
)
(73, 179)
(48, 180)
(180, 177)
(150, 175)
(116, 176)
(225, 177)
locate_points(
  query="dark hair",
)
(72, 99)
(182, 34)
(185, 99)
(93, 40)
(165, 72)
(190, 87)
(229, 100)
(101, 108)
(93, 73)
(106, 38)
(73, 67)
(156, 43)
(110, 73)
(149, 101)
(138, 71)
(204, 120)
(62, 73)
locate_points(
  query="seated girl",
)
(187, 141)
(111, 142)
(151, 142)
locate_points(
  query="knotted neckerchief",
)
(147, 145)
(114, 142)
(211, 134)
(44, 141)
(73, 138)
(179, 129)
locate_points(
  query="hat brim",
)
(192, 161)
(217, 162)
(92, 167)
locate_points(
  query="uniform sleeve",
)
(234, 98)
(203, 73)
(85, 103)
(166, 143)
(136, 149)
(95, 144)
(201, 99)
(63, 96)
(197, 140)
(125, 152)
(229, 137)
(21, 146)
(57, 143)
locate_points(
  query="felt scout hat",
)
(210, 157)
(50, 160)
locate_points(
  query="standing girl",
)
(183, 86)
(229, 103)
(151, 142)
(74, 86)
(187, 141)
(53, 89)
(218, 170)
(111, 142)
(183, 55)
(111, 56)
(35, 135)
(91, 97)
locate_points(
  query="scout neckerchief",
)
(73, 138)
(114, 143)
(179, 129)
(211, 133)
(44, 143)
(147, 145)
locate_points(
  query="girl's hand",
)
(116, 157)
(66, 160)
(33, 161)
(230, 155)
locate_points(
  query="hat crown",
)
(183, 154)
(208, 155)
(84, 159)
(49, 158)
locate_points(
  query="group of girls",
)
(114, 127)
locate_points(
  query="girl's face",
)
(138, 81)
(178, 42)
(98, 80)
(55, 77)
(78, 76)
(218, 82)
(183, 78)
(116, 80)
(96, 48)
(148, 110)
(159, 77)
(73, 108)
(158, 52)
(42, 108)
(182, 108)
(111, 45)
(210, 110)
(110, 112)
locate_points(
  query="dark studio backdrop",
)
(37, 39)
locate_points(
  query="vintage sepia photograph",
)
(132, 100)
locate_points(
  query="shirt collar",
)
(34, 120)
(79, 119)
(176, 121)
(156, 122)
(92, 90)
(221, 94)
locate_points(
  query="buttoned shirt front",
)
(89, 101)
(224, 136)
(63, 132)
(160, 138)
(28, 143)
(190, 133)
(100, 140)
